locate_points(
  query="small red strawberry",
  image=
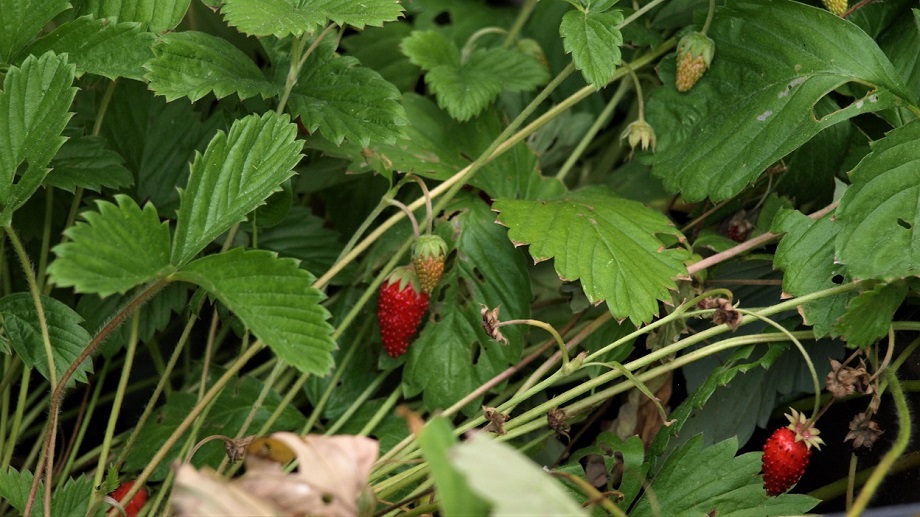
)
(694, 55)
(428, 255)
(400, 308)
(134, 506)
(786, 454)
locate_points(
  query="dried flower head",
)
(556, 420)
(490, 324)
(725, 312)
(864, 432)
(496, 420)
(846, 380)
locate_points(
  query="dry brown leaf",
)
(330, 480)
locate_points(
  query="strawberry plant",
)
(466, 257)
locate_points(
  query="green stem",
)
(85, 417)
(382, 412)
(639, 12)
(46, 239)
(362, 398)
(177, 433)
(900, 445)
(10, 444)
(523, 15)
(594, 496)
(35, 291)
(709, 15)
(811, 367)
(116, 405)
(298, 59)
(596, 127)
(547, 327)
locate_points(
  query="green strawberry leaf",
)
(345, 100)
(116, 249)
(451, 358)
(274, 298)
(880, 212)
(593, 39)
(193, 64)
(68, 338)
(100, 47)
(607, 242)
(806, 256)
(465, 85)
(288, 17)
(153, 15)
(530, 491)
(85, 163)
(157, 140)
(21, 21)
(697, 480)
(456, 498)
(236, 174)
(303, 236)
(869, 315)
(35, 99)
(378, 48)
(746, 112)
(230, 410)
(68, 500)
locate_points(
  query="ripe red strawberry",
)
(428, 255)
(786, 454)
(694, 55)
(400, 307)
(134, 506)
(837, 7)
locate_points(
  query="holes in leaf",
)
(328, 498)
(443, 18)
(475, 352)
(837, 279)
(904, 224)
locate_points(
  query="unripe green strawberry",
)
(786, 454)
(428, 255)
(694, 55)
(400, 308)
(837, 7)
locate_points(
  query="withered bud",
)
(846, 380)
(490, 324)
(725, 312)
(556, 420)
(496, 420)
(236, 449)
(864, 432)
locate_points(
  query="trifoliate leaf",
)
(466, 85)
(869, 315)
(100, 47)
(193, 64)
(592, 37)
(274, 298)
(607, 242)
(34, 104)
(237, 172)
(359, 13)
(21, 21)
(487, 463)
(116, 249)
(806, 256)
(712, 480)
(880, 212)
(153, 15)
(68, 338)
(746, 113)
(86, 163)
(345, 100)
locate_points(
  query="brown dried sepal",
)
(496, 420)
(236, 449)
(864, 432)
(490, 324)
(725, 312)
(556, 420)
(846, 380)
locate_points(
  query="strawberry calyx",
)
(804, 430)
(696, 44)
(404, 276)
(429, 246)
